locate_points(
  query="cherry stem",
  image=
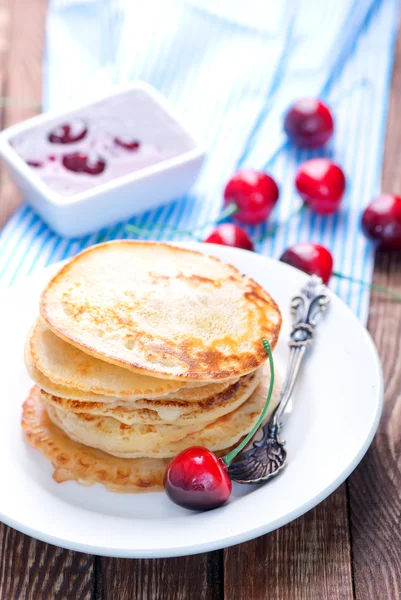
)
(227, 212)
(228, 458)
(277, 226)
(372, 286)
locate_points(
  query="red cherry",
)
(36, 164)
(381, 222)
(255, 195)
(68, 133)
(197, 479)
(314, 259)
(229, 234)
(127, 143)
(309, 123)
(321, 184)
(92, 164)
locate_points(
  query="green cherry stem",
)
(278, 226)
(372, 286)
(227, 212)
(228, 458)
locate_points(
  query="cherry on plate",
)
(77, 162)
(228, 234)
(311, 258)
(197, 479)
(321, 184)
(68, 133)
(127, 143)
(309, 123)
(381, 222)
(254, 193)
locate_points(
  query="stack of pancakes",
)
(140, 351)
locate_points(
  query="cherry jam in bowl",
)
(104, 162)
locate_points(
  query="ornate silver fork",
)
(267, 457)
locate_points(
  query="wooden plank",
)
(32, 570)
(375, 487)
(197, 577)
(308, 559)
(21, 81)
(5, 19)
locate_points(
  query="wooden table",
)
(347, 547)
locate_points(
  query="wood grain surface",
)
(308, 559)
(375, 486)
(347, 547)
(21, 57)
(33, 570)
(187, 578)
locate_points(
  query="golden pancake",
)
(68, 366)
(157, 412)
(55, 365)
(168, 408)
(86, 466)
(161, 310)
(195, 392)
(61, 390)
(164, 441)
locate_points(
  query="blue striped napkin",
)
(231, 68)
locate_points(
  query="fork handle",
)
(310, 302)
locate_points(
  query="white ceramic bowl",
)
(138, 108)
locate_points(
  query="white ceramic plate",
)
(335, 412)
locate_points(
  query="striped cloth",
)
(231, 68)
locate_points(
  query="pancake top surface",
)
(161, 310)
